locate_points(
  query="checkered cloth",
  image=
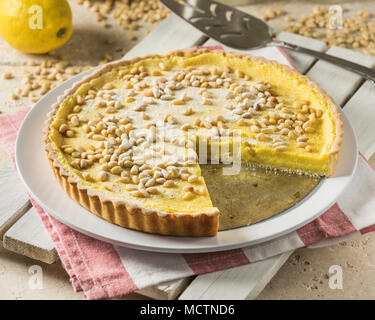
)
(103, 270)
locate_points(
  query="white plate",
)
(39, 180)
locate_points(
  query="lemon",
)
(35, 26)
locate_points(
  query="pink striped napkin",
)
(103, 270)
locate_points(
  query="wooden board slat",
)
(339, 83)
(167, 290)
(171, 34)
(244, 282)
(360, 109)
(29, 238)
(14, 201)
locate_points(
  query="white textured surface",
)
(149, 267)
(14, 201)
(166, 291)
(361, 111)
(29, 238)
(244, 282)
(171, 34)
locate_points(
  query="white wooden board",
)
(360, 109)
(240, 283)
(29, 238)
(167, 290)
(14, 201)
(301, 61)
(171, 34)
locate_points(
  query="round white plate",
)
(39, 180)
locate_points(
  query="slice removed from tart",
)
(126, 142)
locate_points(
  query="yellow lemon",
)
(35, 26)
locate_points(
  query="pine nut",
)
(124, 179)
(150, 183)
(309, 130)
(284, 131)
(260, 137)
(280, 148)
(152, 190)
(255, 129)
(116, 170)
(188, 112)
(193, 179)
(136, 193)
(69, 133)
(188, 196)
(168, 184)
(98, 137)
(201, 191)
(186, 127)
(103, 176)
(63, 128)
(7, 76)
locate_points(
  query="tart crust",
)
(132, 215)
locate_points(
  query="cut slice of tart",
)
(126, 142)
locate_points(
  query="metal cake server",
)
(240, 30)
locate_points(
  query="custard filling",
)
(135, 132)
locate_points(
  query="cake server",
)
(239, 30)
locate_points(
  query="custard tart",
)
(127, 141)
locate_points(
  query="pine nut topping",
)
(280, 148)
(186, 127)
(69, 133)
(188, 111)
(188, 196)
(116, 170)
(103, 176)
(7, 76)
(308, 148)
(168, 184)
(255, 129)
(123, 121)
(193, 179)
(63, 128)
(152, 190)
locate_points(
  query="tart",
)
(127, 141)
